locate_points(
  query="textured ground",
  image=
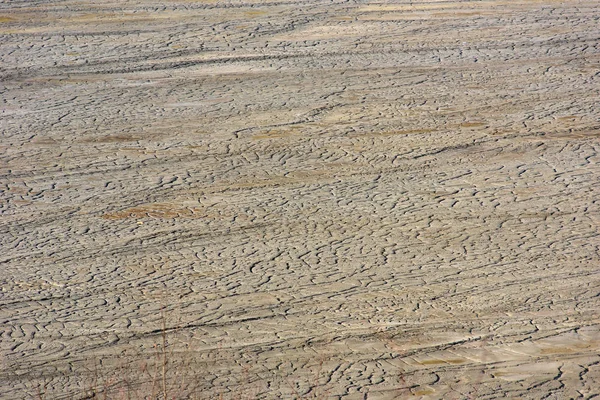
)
(332, 199)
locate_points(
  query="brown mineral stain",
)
(472, 124)
(423, 392)
(567, 118)
(432, 362)
(255, 13)
(173, 211)
(19, 190)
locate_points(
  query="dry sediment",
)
(358, 200)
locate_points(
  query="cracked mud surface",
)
(358, 200)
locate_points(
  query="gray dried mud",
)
(330, 199)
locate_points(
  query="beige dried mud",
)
(277, 199)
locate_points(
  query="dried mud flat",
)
(357, 200)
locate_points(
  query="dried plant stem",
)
(164, 354)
